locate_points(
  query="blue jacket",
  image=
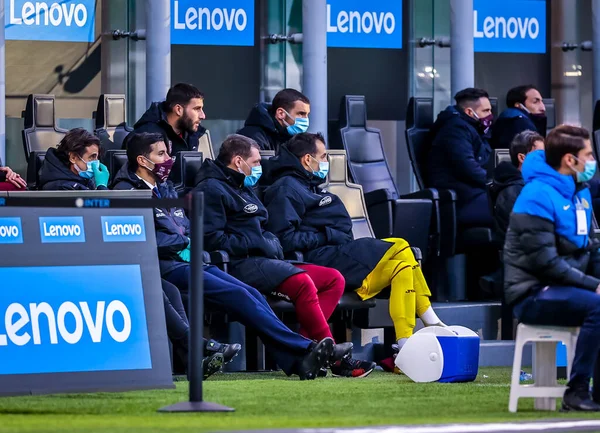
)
(172, 225)
(542, 245)
(458, 155)
(511, 122)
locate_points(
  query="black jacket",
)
(458, 155)
(511, 122)
(234, 220)
(262, 127)
(172, 225)
(56, 175)
(315, 222)
(506, 187)
(155, 120)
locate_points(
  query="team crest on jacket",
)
(158, 213)
(585, 203)
(325, 201)
(250, 208)
(178, 213)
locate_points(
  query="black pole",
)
(196, 402)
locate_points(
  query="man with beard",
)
(177, 118)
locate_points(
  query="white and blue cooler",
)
(442, 354)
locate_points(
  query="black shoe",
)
(578, 399)
(322, 372)
(229, 351)
(211, 365)
(341, 351)
(349, 367)
(316, 359)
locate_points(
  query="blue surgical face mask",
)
(255, 173)
(323, 168)
(89, 172)
(589, 169)
(300, 125)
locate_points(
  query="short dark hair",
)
(469, 97)
(76, 141)
(523, 143)
(518, 95)
(140, 143)
(564, 140)
(181, 94)
(286, 99)
(304, 143)
(234, 145)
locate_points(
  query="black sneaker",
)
(349, 367)
(578, 399)
(341, 351)
(229, 351)
(211, 365)
(316, 359)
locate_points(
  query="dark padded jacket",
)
(262, 127)
(458, 155)
(155, 120)
(172, 225)
(542, 245)
(234, 221)
(513, 121)
(506, 187)
(308, 219)
(55, 175)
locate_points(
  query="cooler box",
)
(449, 354)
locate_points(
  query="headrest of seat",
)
(494, 104)
(353, 112)
(267, 154)
(39, 111)
(338, 166)
(419, 113)
(111, 111)
(596, 121)
(550, 112)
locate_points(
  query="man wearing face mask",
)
(234, 222)
(271, 125)
(148, 167)
(177, 118)
(459, 153)
(315, 222)
(551, 263)
(526, 111)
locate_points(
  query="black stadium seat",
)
(36, 159)
(187, 164)
(41, 131)
(114, 159)
(111, 121)
(390, 215)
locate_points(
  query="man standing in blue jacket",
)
(551, 264)
(459, 153)
(525, 111)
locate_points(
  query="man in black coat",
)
(551, 263)
(311, 220)
(234, 221)
(177, 118)
(148, 166)
(459, 154)
(508, 180)
(525, 111)
(271, 125)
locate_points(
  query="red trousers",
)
(315, 294)
(7, 186)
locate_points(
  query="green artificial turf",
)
(275, 401)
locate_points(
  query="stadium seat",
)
(596, 129)
(494, 104)
(36, 159)
(187, 164)
(205, 146)
(114, 159)
(550, 113)
(390, 214)
(40, 132)
(501, 155)
(111, 121)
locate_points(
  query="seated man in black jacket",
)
(148, 167)
(459, 154)
(525, 111)
(508, 180)
(316, 222)
(551, 263)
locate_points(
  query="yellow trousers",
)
(409, 296)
